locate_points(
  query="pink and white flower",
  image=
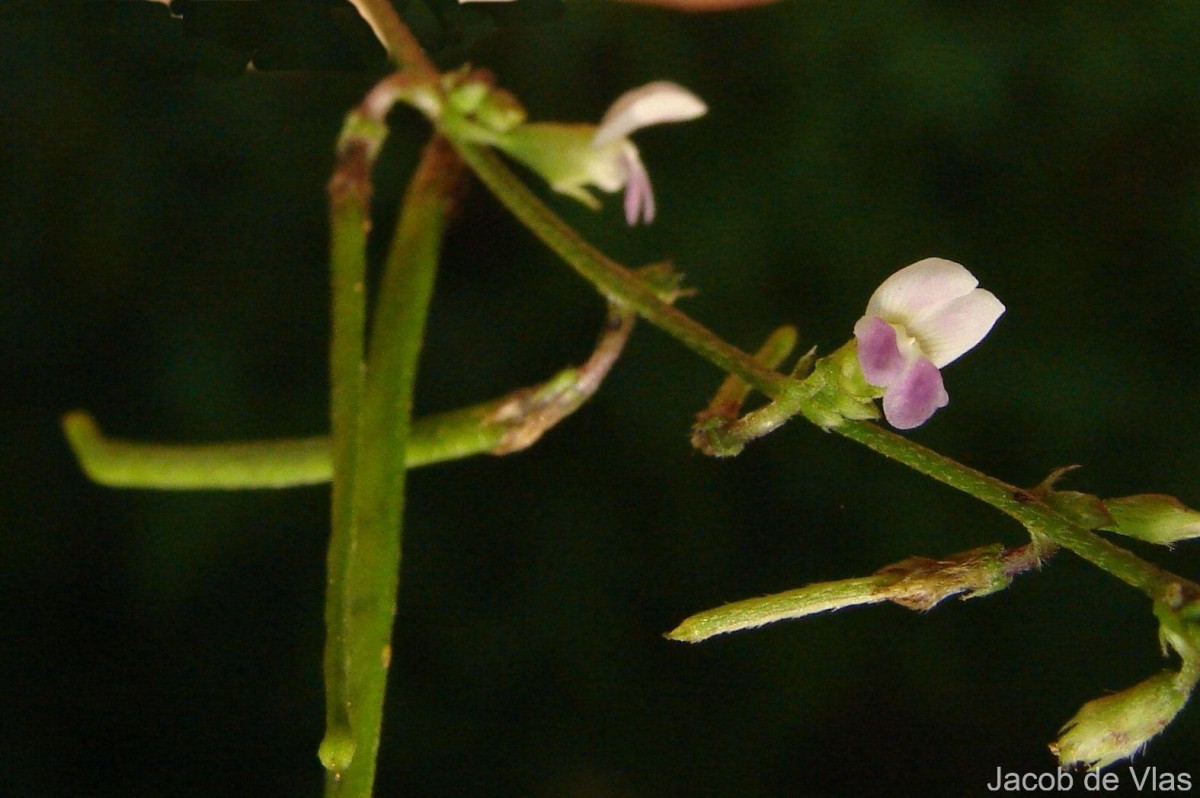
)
(574, 157)
(920, 319)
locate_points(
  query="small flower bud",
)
(500, 110)
(1153, 517)
(466, 96)
(1115, 727)
(1082, 508)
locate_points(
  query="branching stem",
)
(793, 397)
(613, 280)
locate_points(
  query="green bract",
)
(1153, 517)
(1114, 727)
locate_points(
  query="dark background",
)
(162, 263)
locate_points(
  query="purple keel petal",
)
(878, 354)
(916, 396)
(639, 196)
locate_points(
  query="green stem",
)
(500, 426)
(794, 397)
(282, 463)
(798, 603)
(1027, 508)
(349, 193)
(718, 431)
(732, 394)
(363, 591)
(402, 47)
(918, 583)
(610, 278)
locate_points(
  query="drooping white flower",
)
(573, 157)
(920, 319)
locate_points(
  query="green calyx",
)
(478, 110)
(565, 156)
(842, 393)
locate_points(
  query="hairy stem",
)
(794, 397)
(365, 556)
(731, 395)
(349, 195)
(918, 583)
(1027, 508)
(610, 278)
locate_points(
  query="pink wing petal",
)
(916, 396)
(878, 354)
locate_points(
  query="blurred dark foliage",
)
(162, 263)
(221, 38)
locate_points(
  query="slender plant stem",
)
(733, 392)
(610, 278)
(794, 397)
(280, 463)
(918, 583)
(500, 426)
(365, 557)
(402, 47)
(233, 465)
(1026, 507)
(349, 192)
